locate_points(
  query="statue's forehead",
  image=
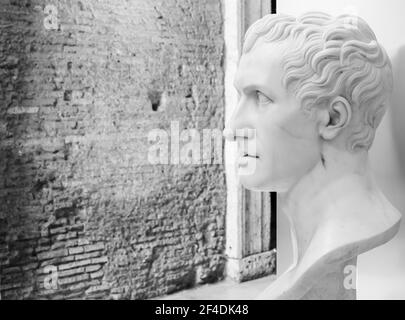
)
(262, 64)
(267, 51)
(264, 55)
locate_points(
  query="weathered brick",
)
(93, 268)
(99, 288)
(66, 236)
(97, 274)
(74, 264)
(94, 247)
(83, 242)
(58, 231)
(57, 261)
(75, 250)
(79, 286)
(79, 103)
(70, 272)
(8, 286)
(87, 255)
(52, 254)
(99, 260)
(30, 266)
(73, 279)
(11, 270)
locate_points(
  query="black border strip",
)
(273, 6)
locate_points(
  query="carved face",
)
(286, 139)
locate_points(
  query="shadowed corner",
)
(398, 106)
(398, 130)
(17, 172)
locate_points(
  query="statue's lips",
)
(244, 160)
(250, 156)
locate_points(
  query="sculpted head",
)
(304, 83)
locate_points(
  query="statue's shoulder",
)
(359, 226)
(362, 221)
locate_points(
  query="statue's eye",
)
(263, 99)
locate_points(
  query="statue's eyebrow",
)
(254, 86)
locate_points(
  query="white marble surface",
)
(314, 102)
(381, 271)
(223, 290)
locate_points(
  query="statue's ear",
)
(334, 118)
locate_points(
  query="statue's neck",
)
(336, 212)
(315, 199)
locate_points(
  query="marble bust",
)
(314, 89)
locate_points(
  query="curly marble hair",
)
(330, 57)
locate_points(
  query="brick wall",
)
(77, 193)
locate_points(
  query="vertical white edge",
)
(231, 35)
